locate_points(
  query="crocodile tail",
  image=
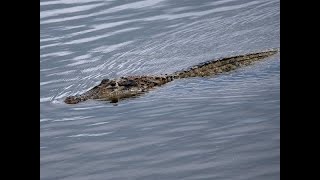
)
(223, 65)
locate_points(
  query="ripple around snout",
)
(221, 127)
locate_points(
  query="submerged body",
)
(131, 86)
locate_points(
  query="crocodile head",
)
(115, 89)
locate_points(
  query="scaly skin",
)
(131, 86)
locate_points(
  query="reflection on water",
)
(223, 127)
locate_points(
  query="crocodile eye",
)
(112, 83)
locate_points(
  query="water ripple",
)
(221, 127)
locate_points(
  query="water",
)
(222, 127)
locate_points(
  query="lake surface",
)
(223, 127)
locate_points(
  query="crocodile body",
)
(131, 86)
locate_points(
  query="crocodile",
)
(121, 88)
